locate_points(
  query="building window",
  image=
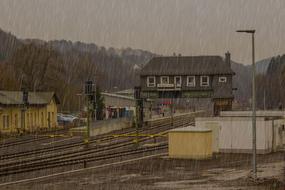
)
(222, 79)
(5, 121)
(177, 81)
(164, 80)
(191, 81)
(151, 81)
(204, 80)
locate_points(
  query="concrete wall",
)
(107, 126)
(192, 145)
(279, 134)
(261, 113)
(215, 127)
(235, 133)
(120, 101)
(190, 104)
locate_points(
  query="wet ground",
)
(224, 171)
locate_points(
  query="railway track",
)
(103, 157)
(156, 125)
(83, 155)
(72, 153)
(23, 141)
(27, 140)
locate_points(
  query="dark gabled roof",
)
(35, 98)
(186, 65)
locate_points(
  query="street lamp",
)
(253, 105)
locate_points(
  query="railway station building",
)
(196, 82)
(40, 113)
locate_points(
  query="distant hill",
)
(118, 69)
(127, 55)
(8, 44)
(241, 81)
(262, 65)
(65, 65)
(119, 66)
(276, 65)
(271, 84)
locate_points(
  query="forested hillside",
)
(270, 86)
(63, 66)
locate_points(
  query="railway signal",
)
(25, 99)
(138, 117)
(90, 94)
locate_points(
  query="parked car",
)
(64, 119)
(70, 118)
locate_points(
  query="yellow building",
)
(190, 142)
(40, 112)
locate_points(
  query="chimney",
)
(228, 58)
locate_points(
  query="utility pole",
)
(254, 174)
(88, 123)
(172, 106)
(138, 120)
(264, 100)
(150, 109)
(79, 108)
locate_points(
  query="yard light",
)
(252, 32)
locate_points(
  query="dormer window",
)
(151, 81)
(204, 81)
(164, 80)
(223, 79)
(191, 81)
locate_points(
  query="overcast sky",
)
(189, 27)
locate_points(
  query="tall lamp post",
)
(253, 104)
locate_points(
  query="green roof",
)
(34, 98)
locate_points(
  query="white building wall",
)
(215, 127)
(279, 131)
(235, 133)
